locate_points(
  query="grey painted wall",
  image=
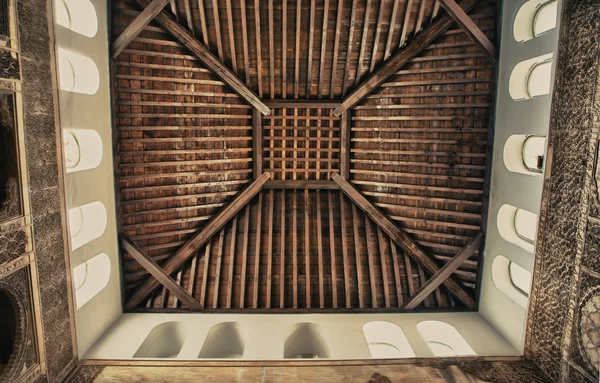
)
(520, 190)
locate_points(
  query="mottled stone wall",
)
(45, 184)
(566, 259)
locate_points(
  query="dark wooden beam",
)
(158, 273)
(469, 27)
(137, 26)
(397, 61)
(188, 249)
(301, 184)
(445, 272)
(401, 238)
(208, 59)
(257, 143)
(300, 103)
(345, 144)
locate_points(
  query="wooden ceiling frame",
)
(161, 275)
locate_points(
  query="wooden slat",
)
(282, 254)
(244, 256)
(334, 291)
(257, 251)
(198, 240)
(208, 59)
(271, 51)
(215, 8)
(320, 252)
(444, 273)
(137, 25)
(388, 44)
(203, 22)
(363, 44)
(231, 276)
(345, 144)
(352, 25)
(397, 274)
(469, 27)
(357, 255)
(258, 47)
(245, 40)
(401, 238)
(218, 269)
(158, 273)
(416, 46)
(231, 36)
(302, 103)
(297, 53)
(336, 44)
(284, 27)
(311, 35)
(384, 268)
(345, 252)
(324, 47)
(188, 16)
(205, 274)
(371, 262)
(406, 23)
(295, 248)
(301, 184)
(269, 240)
(257, 143)
(380, 14)
(307, 248)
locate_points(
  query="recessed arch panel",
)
(387, 340)
(443, 339)
(90, 278)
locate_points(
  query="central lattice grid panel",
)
(301, 143)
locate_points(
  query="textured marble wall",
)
(566, 256)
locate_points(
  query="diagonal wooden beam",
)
(158, 273)
(469, 27)
(189, 248)
(401, 238)
(137, 26)
(208, 59)
(397, 61)
(445, 272)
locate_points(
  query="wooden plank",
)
(311, 35)
(231, 279)
(346, 76)
(444, 273)
(320, 252)
(384, 274)
(323, 48)
(307, 248)
(205, 273)
(359, 276)
(245, 41)
(402, 239)
(371, 262)
(406, 23)
(245, 239)
(198, 240)
(380, 14)
(334, 291)
(208, 59)
(419, 24)
(203, 22)
(258, 47)
(257, 251)
(336, 44)
(215, 8)
(397, 275)
(295, 248)
(388, 44)
(282, 253)
(297, 53)
(363, 44)
(284, 27)
(397, 61)
(345, 252)
(301, 184)
(218, 269)
(269, 240)
(345, 148)
(137, 25)
(158, 273)
(257, 143)
(469, 27)
(231, 36)
(302, 103)
(271, 51)
(188, 16)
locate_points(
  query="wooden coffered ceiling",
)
(320, 155)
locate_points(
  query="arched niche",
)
(531, 78)
(535, 18)
(306, 341)
(90, 278)
(82, 149)
(164, 341)
(77, 15)
(511, 279)
(9, 160)
(525, 154)
(77, 73)
(387, 340)
(225, 340)
(86, 223)
(517, 226)
(443, 339)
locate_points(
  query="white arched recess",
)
(90, 278)
(86, 223)
(535, 18)
(387, 340)
(225, 340)
(77, 73)
(306, 341)
(77, 15)
(531, 78)
(82, 149)
(164, 341)
(513, 280)
(517, 226)
(443, 339)
(525, 154)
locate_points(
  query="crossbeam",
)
(396, 62)
(298, 103)
(137, 26)
(469, 27)
(158, 273)
(446, 271)
(208, 59)
(302, 184)
(401, 238)
(188, 249)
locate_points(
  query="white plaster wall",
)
(266, 333)
(79, 111)
(520, 190)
